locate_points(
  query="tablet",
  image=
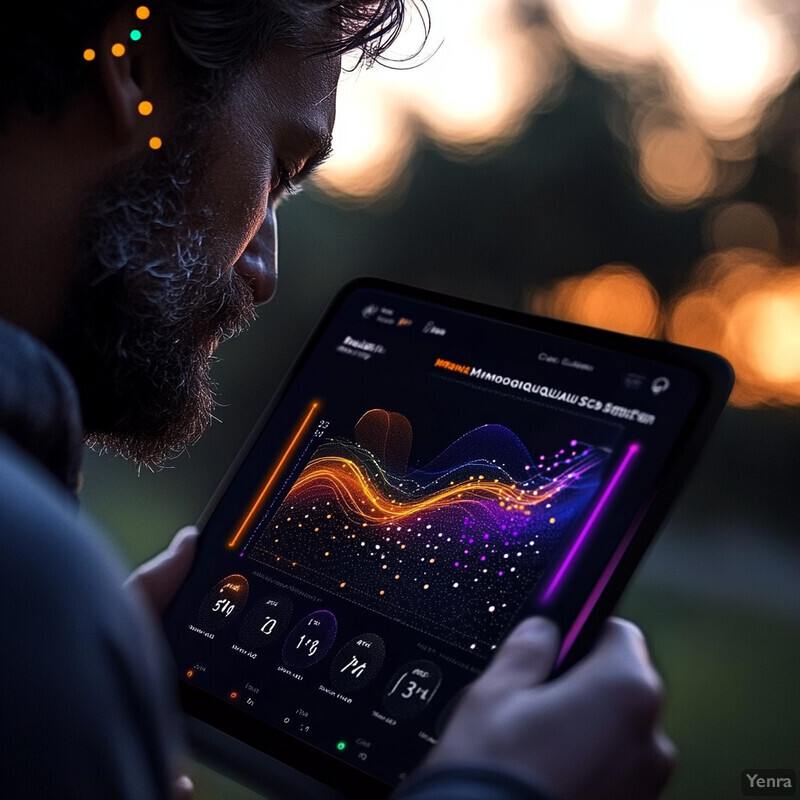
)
(431, 471)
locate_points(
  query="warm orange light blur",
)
(373, 144)
(743, 304)
(615, 297)
(723, 61)
(471, 89)
(490, 63)
(676, 164)
(743, 225)
(727, 60)
(746, 306)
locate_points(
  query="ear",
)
(131, 61)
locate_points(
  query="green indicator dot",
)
(136, 35)
(341, 745)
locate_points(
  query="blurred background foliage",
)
(631, 164)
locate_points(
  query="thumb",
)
(527, 655)
(159, 578)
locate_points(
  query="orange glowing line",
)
(350, 485)
(274, 474)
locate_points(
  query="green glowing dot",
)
(341, 745)
(136, 35)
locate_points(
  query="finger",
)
(527, 655)
(183, 788)
(620, 649)
(159, 578)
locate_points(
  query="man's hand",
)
(590, 734)
(159, 578)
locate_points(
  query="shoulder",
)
(82, 669)
(41, 524)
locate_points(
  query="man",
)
(144, 150)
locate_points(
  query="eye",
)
(286, 184)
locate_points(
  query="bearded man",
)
(144, 151)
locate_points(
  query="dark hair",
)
(42, 65)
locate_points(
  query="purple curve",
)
(612, 484)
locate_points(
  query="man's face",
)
(179, 245)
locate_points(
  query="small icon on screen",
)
(659, 385)
(368, 312)
(432, 327)
(404, 322)
(634, 381)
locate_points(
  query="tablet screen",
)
(428, 477)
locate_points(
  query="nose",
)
(258, 264)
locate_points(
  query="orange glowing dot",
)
(145, 108)
(382, 592)
(342, 584)
(234, 695)
(396, 577)
(189, 673)
(155, 142)
(143, 12)
(89, 54)
(552, 520)
(118, 49)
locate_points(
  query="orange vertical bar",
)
(312, 410)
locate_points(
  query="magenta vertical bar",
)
(594, 596)
(607, 492)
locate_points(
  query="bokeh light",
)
(743, 224)
(727, 59)
(488, 65)
(742, 303)
(745, 305)
(676, 164)
(469, 89)
(616, 297)
(723, 59)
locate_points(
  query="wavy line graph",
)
(450, 543)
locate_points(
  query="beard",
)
(153, 299)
